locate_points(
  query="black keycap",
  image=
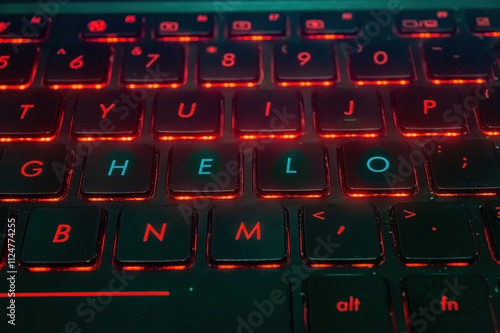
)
(491, 214)
(114, 172)
(112, 28)
(456, 59)
(78, 66)
(429, 111)
(7, 230)
(448, 303)
(381, 168)
(483, 22)
(17, 65)
(257, 24)
(184, 27)
(348, 112)
(332, 23)
(102, 115)
(267, 113)
(229, 63)
(35, 115)
(22, 28)
(156, 237)
(291, 170)
(423, 233)
(468, 166)
(347, 303)
(303, 62)
(382, 61)
(341, 235)
(63, 238)
(188, 115)
(34, 172)
(212, 171)
(414, 23)
(153, 65)
(246, 236)
(488, 116)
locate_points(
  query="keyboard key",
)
(487, 111)
(206, 171)
(377, 169)
(75, 67)
(184, 27)
(382, 62)
(32, 116)
(246, 236)
(22, 28)
(341, 235)
(463, 167)
(153, 66)
(17, 65)
(458, 303)
(425, 23)
(348, 303)
(291, 171)
(267, 113)
(483, 22)
(348, 112)
(63, 238)
(112, 28)
(155, 237)
(491, 216)
(34, 172)
(103, 115)
(456, 60)
(304, 62)
(432, 224)
(328, 25)
(117, 172)
(429, 111)
(188, 115)
(257, 25)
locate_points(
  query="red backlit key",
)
(377, 169)
(104, 115)
(17, 65)
(349, 303)
(257, 25)
(465, 166)
(433, 224)
(425, 23)
(456, 60)
(188, 115)
(114, 172)
(348, 112)
(448, 303)
(207, 171)
(159, 237)
(425, 111)
(184, 27)
(304, 62)
(63, 238)
(491, 216)
(485, 22)
(246, 236)
(346, 235)
(267, 114)
(112, 28)
(222, 64)
(22, 28)
(487, 110)
(153, 65)
(328, 25)
(75, 67)
(33, 116)
(291, 170)
(34, 172)
(382, 61)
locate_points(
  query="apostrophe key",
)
(246, 236)
(491, 215)
(298, 170)
(487, 110)
(184, 27)
(156, 238)
(23, 28)
(270, 114)
(117, 172)
(425, 23)
(486, 22)
(63, 239)
(341, 235)
(17, 65)
(34, 172)
(328, 25)
(357, 304)
(432, 224)
(256, 26)
(112, 28)
(106, 115)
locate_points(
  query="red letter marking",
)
(159, 236)
(429, 104)
(350, 306)
(153, 57)
(351, 108)
(35, 171)
(25, 108)
(247, 235)
(106, 110)
(181, 107)
(64, 233)
(380, 58)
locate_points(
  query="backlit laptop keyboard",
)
(250, 172)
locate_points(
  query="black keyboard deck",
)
(250, 172)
